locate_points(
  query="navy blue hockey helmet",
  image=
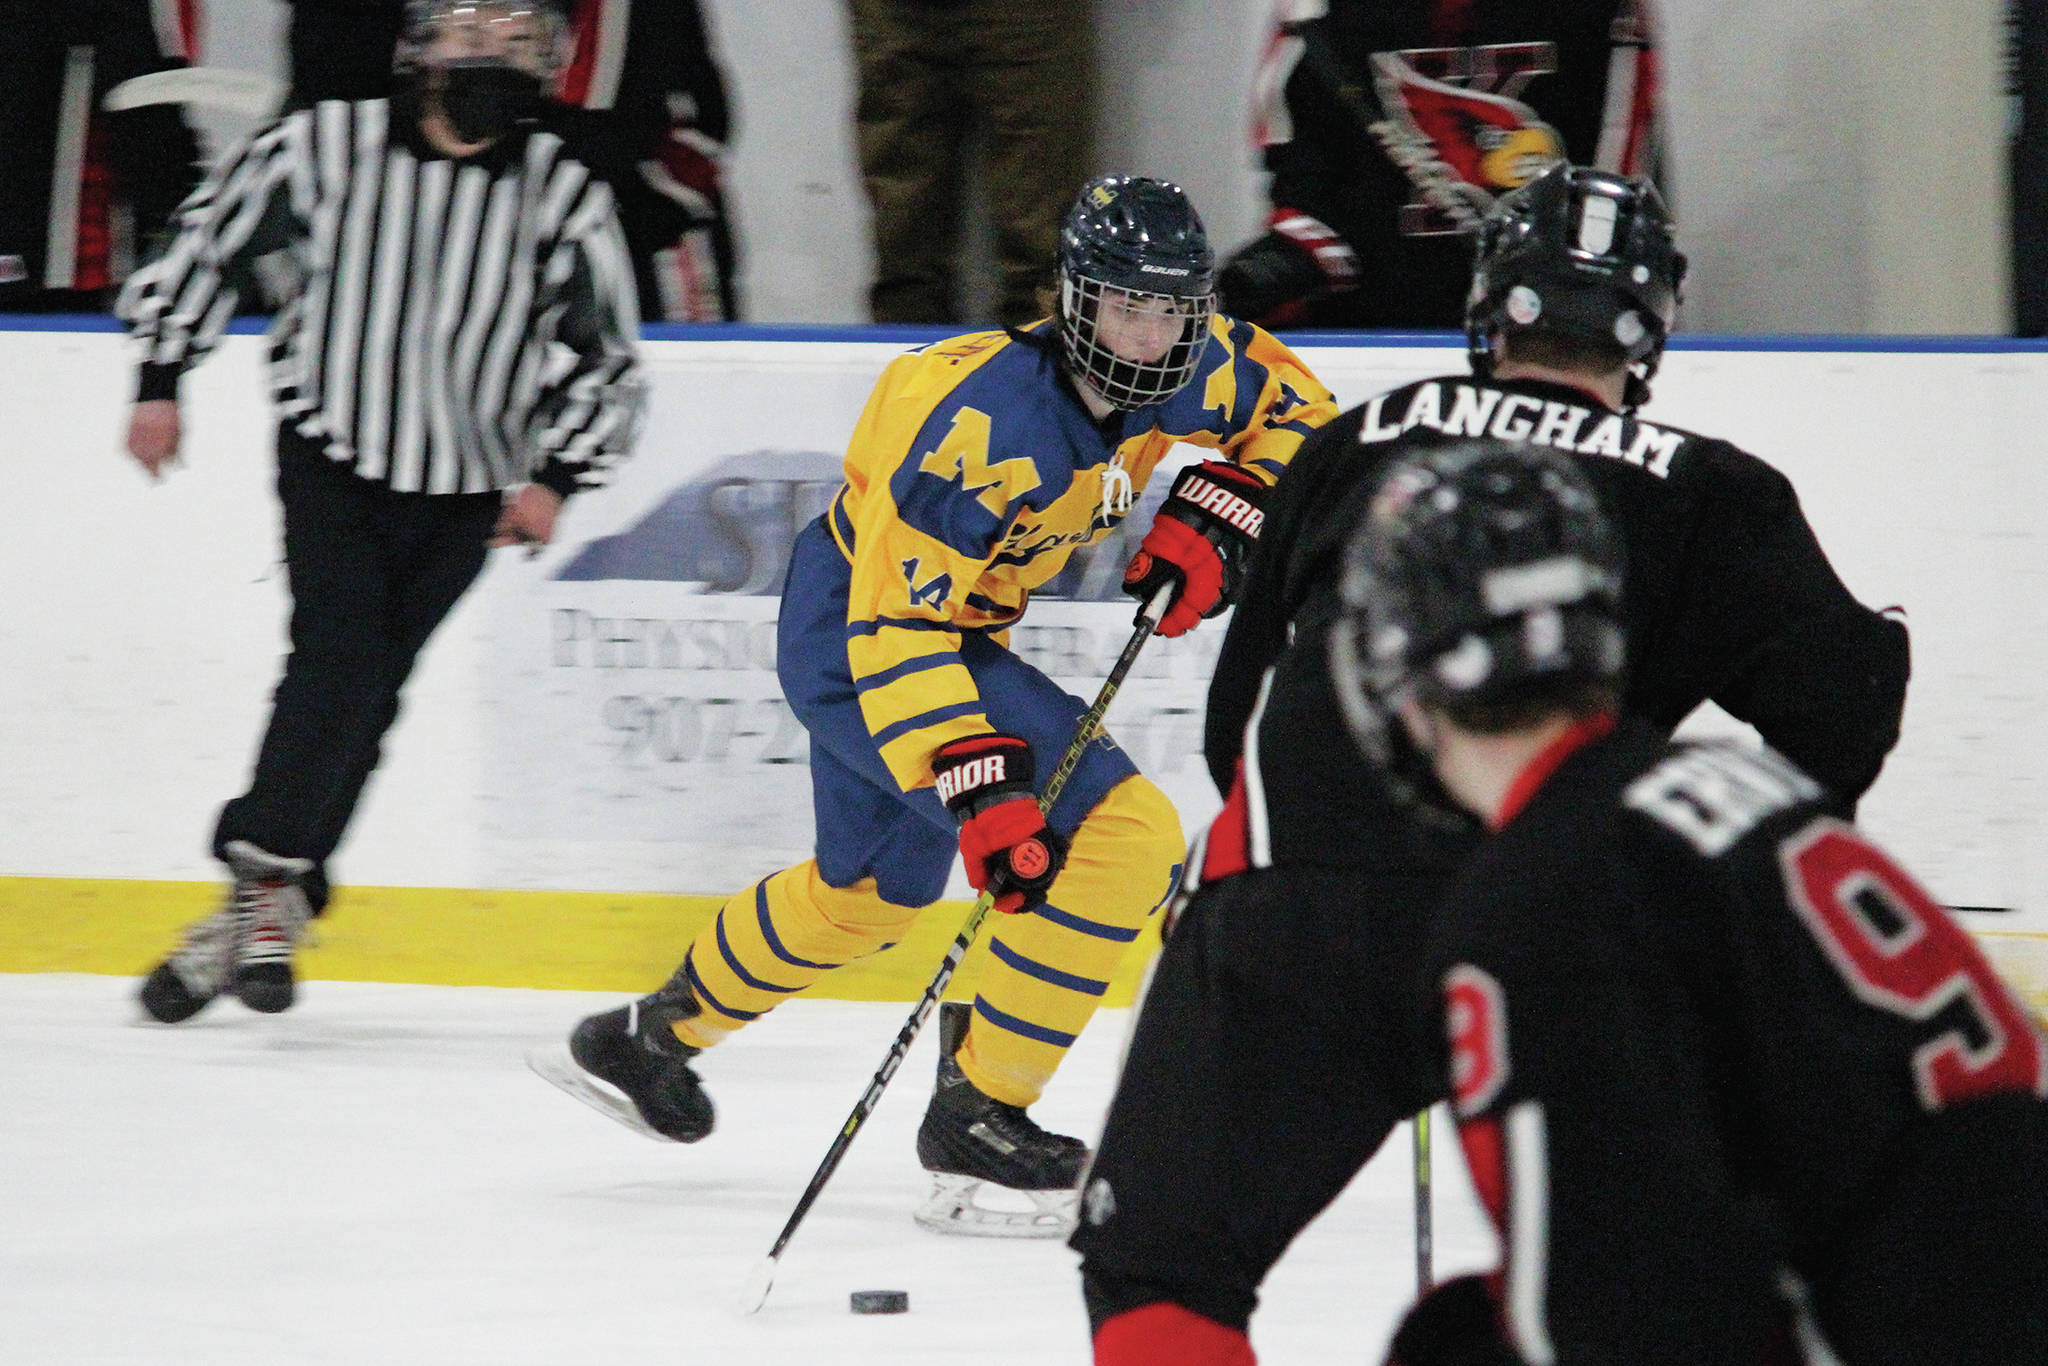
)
(1142, 240)
(1585, 254)
(1483, 577)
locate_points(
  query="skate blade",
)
(552, 1063)
(952, 1208)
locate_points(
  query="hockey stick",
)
(208, 87)
(755, 1293)
(1425, 1236)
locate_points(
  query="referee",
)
(458, 357)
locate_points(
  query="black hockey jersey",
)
(1397, 123)
(1702, 1032)
(85, 194)
(1729, 597)
(652, 115)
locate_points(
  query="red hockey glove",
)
(1199, 540)
(985, 781)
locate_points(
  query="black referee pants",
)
(372, 574)
(1284, 1035)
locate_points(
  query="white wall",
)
(142, 625)
(1838, 165)
(800, 214)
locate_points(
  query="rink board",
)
(594, 749)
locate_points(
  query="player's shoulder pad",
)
(926, 375)
(1242, 338)
(1744, 476)
(1711, 794)
(1340, 433)
(966, 346)
(1330, 464)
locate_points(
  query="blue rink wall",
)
(593, 750)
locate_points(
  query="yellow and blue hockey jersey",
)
(975, 473)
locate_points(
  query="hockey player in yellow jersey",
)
(979, 466)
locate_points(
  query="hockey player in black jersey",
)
(1282, 1037)
(1719, 1065)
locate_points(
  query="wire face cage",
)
(1126, 383)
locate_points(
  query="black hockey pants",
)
(373, 572)
(1283, 1037)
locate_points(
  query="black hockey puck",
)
(881, 1301)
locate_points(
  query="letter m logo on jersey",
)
(963, 458)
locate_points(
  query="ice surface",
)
(376, 1177)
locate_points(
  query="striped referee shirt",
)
(458, 326)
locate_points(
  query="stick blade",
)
(754, 1293)
(209, 87)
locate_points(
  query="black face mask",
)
(486, 99)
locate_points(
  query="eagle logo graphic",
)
(1460, 134)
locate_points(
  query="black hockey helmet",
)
(1142, 238)
(1584, 254)
(1482, 577)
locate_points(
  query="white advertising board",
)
(604, 716)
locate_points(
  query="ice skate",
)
(975, 1145)
(274, 913)
(186, 982)
(245, 946)
(629, 1064)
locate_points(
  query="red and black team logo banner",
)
(1456, 125)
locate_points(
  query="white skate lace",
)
(275, 915)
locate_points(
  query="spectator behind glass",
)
(1020, 73)
(1391, 126)
(85, 193)
(644, 105)
(653, 117)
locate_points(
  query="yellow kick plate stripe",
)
(628, 942)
